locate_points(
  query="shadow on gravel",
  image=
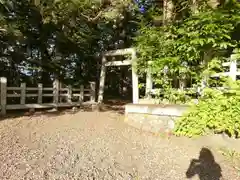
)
(205, 167)
(116, 106)
(38, 112)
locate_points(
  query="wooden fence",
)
(57, 93)
(232, 73)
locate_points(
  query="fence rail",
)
(233, 73)
(39, 92)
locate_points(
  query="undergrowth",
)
(216, 112)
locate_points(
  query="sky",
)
(143, 4)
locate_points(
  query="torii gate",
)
(132, 62)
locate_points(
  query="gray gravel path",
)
(92, 145)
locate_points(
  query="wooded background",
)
(42, 40)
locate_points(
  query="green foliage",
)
(42, 39)
(216, 112)
(192, 48)
(175, 96)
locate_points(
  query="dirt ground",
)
(99, 145)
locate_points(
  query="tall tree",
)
(62, 38)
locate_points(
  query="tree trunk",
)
(35, 2)
(167, 11)
(213, 3)
(194, 6)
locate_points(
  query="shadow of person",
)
(205, 167)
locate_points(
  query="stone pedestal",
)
(153, 118)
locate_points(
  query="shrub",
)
(216, 112)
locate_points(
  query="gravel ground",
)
(93, 145)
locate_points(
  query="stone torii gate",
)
(131, 62)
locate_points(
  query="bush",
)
(216, 112)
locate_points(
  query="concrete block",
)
(153, 118)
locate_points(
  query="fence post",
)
(60, 91)
(3, 83)
(135, 78)
(69, 94)
(149, 82)
(40, 89)
(23, 93)
(81, 97)
(182, 83)
(233, 68)
(93, 91)
(55, 91)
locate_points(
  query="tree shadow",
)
(205, 167)
(49, 112)
(114, 105)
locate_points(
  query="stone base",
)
(150, 123)
(153, 118)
